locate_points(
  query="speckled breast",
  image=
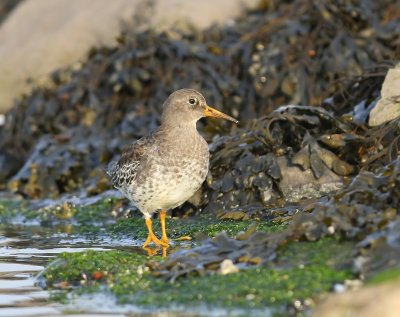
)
(172, 174)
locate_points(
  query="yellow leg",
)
(164, 238)
(151, 236)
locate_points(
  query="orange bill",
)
(211, 112)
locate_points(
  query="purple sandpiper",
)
(165, 168)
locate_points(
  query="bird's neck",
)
(183, 133)
(179, 126)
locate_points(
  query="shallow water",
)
(25, 251)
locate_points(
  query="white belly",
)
(168, 189)
(175, 194)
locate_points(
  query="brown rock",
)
(377, 300)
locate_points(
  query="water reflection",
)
(25, 251)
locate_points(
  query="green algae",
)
(127, 276)
(388, 275)
(331, 252)
(79, 214)
(81, 268)
(252, 288)
(84, 219)
(10, 209)
(135, 228)
(98, 218)
(99, 212)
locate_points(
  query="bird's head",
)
(188, 105)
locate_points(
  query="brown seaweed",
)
(292, 52)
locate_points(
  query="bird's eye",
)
(192, 101)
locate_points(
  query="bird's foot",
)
(183, 238)
(160, 244)
(152, 238)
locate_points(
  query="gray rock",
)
(388, 107)
(297, 184)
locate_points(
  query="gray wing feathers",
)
(123, 170)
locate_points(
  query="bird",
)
(165, 168)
